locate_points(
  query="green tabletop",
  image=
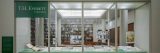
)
(74, 51)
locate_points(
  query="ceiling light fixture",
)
(78, 13)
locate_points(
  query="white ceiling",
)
(78, 5)
(92, 10)
(129, 5)
(67, 5)
(95, 5)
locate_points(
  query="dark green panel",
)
(7, 44)
(38, 9)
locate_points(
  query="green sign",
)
(7, 44)
(38, 9)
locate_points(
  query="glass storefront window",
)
(76, 27)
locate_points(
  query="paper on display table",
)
(29, 45)
(122, 49)
(129, 48)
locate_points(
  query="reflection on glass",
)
(65, 28)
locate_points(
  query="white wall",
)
(6, 18)
(155, 27)
(7, 22)
(23, 33)
(142, 27)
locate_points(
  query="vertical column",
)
(154, 27)
(82, 31)
(7, 21)
(40, 31)
(123, 26)
(103, 25)
(116, 29)
(108, 17)
(36, 31)
(59, 30)
(49, 26)
(56, 28)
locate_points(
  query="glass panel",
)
(68, 26)
(52, 22)
(96, 34)
(111, 27)
(33, 30)
(31, 26)
(125, 22)
(106, 27)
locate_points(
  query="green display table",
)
(121, 51)
(53, 50)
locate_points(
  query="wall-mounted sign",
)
(32, 9)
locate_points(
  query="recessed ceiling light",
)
(94, 13)
(78, 13)
(67, 5)
(97, 5)
(66, 13)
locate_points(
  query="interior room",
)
(105, 27)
